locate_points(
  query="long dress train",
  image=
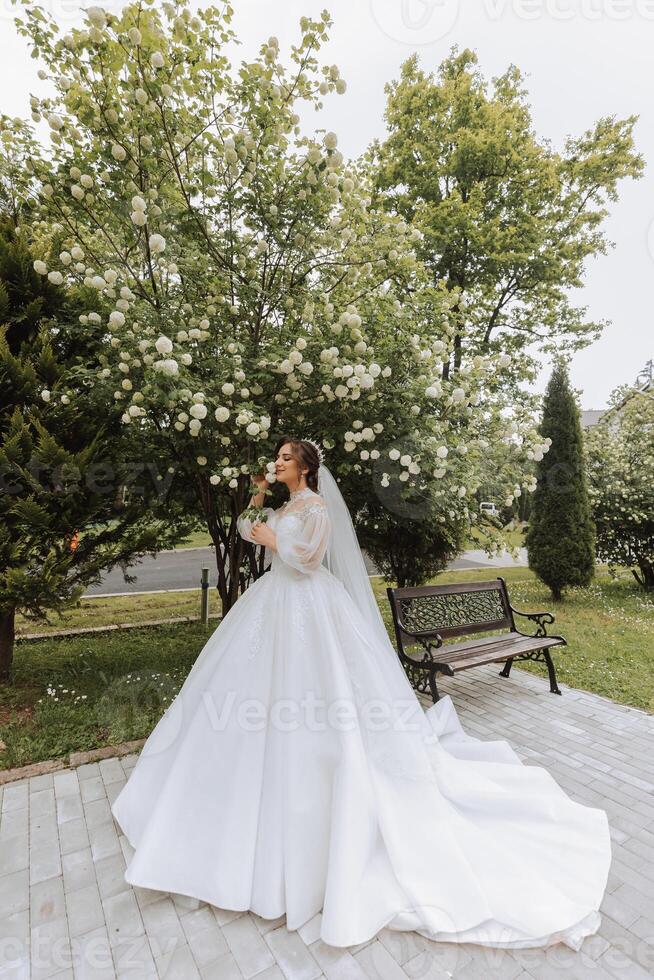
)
(256, 791)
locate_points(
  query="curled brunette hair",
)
(305, 454)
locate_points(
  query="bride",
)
(296, 772)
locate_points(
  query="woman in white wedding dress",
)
(296, 771)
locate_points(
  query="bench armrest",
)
(428, 641)
(542, 619)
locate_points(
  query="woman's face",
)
(287, 468)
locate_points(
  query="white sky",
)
(583, 59)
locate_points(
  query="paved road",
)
(181, 569)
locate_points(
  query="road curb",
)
(92, 630)
(70, 761)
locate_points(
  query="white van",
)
(488, 507)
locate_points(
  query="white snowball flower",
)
(253, 429)
(157, 59)
(405, 459)
(77, 192)
(86, 180)
(504, 360)
(45, 395)
(198, 410)
(118, 152)
(139, 218)
(201, 461)
(134, 35)
(394, 454)
(55, 277)
(77, 253)
(441, 452)
(97, 16)
(458, 395)
(157, 243)
(117, 319)
(138, 203)
(164, 345)
(40, 267)
(331, 141)
(168, 366)
(228, 388)
(221, 414)
(55, 121)
(98, 282)
(65, 258)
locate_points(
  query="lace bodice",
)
(301, 527)
(301, 504)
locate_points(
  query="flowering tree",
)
(245, 283)
(64, 458)
(620, 453)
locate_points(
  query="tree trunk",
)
(646, 577)
(7, 637)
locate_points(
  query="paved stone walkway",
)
(66, 911)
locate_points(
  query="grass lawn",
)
(513, 538)
(113, 610)
(197, 539)
(112, 687)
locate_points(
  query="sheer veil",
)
(401, 747)
(343, 556)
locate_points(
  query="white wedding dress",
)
(249, 795)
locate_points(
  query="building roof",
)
(591, 417)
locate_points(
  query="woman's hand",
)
(262, 534)
(261, 481)
(258, 499)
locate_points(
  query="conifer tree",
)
(561, 536)
(64, 463)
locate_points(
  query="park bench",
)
(424, 617)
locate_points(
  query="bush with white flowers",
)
(620, 470)
(253, 269)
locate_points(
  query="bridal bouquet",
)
(256, 513)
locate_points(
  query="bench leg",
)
(506, 669)
(554, 687)
(432, 686)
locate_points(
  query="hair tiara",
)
(318, 448)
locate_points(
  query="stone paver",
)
(66, 912)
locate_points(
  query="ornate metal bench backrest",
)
(433, 611)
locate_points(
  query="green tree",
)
(64, 461)
(244, 283)
(561, 535)
(504, 218)
(621, 483)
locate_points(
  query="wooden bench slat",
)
(453, 657)
(515, 643)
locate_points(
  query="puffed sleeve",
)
(303, 544)
(244, 524)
